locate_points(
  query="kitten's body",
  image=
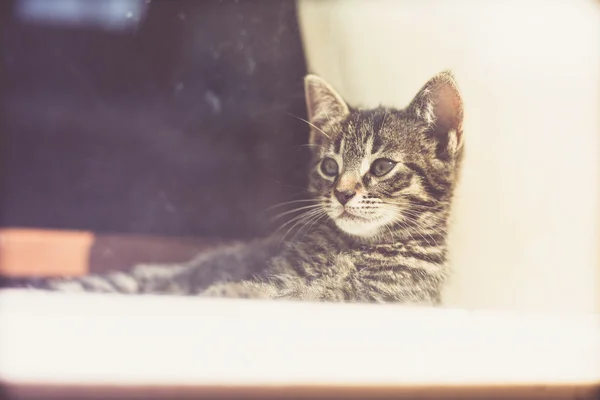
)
(375, 228)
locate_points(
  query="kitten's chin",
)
(357, 226)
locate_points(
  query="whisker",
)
(436, 230)
(405, 229)
(419, 233)
(310, 222)
(383, 121)
(315, 221)
(285, 203)
(404, 218)
(390, 231)
(304, 217)
(311, 124)
(295, 210)
(437, 207)
(436, 219)
(415, 217)
(298, 217)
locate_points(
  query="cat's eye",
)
(329, 167)
(382, 166)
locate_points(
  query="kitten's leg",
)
(338, 282)
(320, 290)
(243, 290)
(272, 287)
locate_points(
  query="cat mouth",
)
(351, 217)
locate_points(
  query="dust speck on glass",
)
(377, 184)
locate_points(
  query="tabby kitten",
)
(374, 230)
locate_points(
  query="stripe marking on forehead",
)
(366, 161)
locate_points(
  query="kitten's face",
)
(376, 170)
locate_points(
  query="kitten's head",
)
(374, 170)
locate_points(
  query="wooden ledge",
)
(39, 252)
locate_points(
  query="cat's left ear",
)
(439, 104)
(323, 104)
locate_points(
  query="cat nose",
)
(344, 196)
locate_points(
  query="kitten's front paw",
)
(243, 290)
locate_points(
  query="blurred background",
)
(150, 117)
(175, 118)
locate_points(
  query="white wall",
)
(526, 225)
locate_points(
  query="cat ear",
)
(439, 104)
(324, 105)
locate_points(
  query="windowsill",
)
(90, 340)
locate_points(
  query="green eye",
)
(329, 167)
(382, 166)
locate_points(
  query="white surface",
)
(94, 339)
(526, 224)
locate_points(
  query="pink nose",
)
(344, 196)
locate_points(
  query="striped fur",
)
(387, 243)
